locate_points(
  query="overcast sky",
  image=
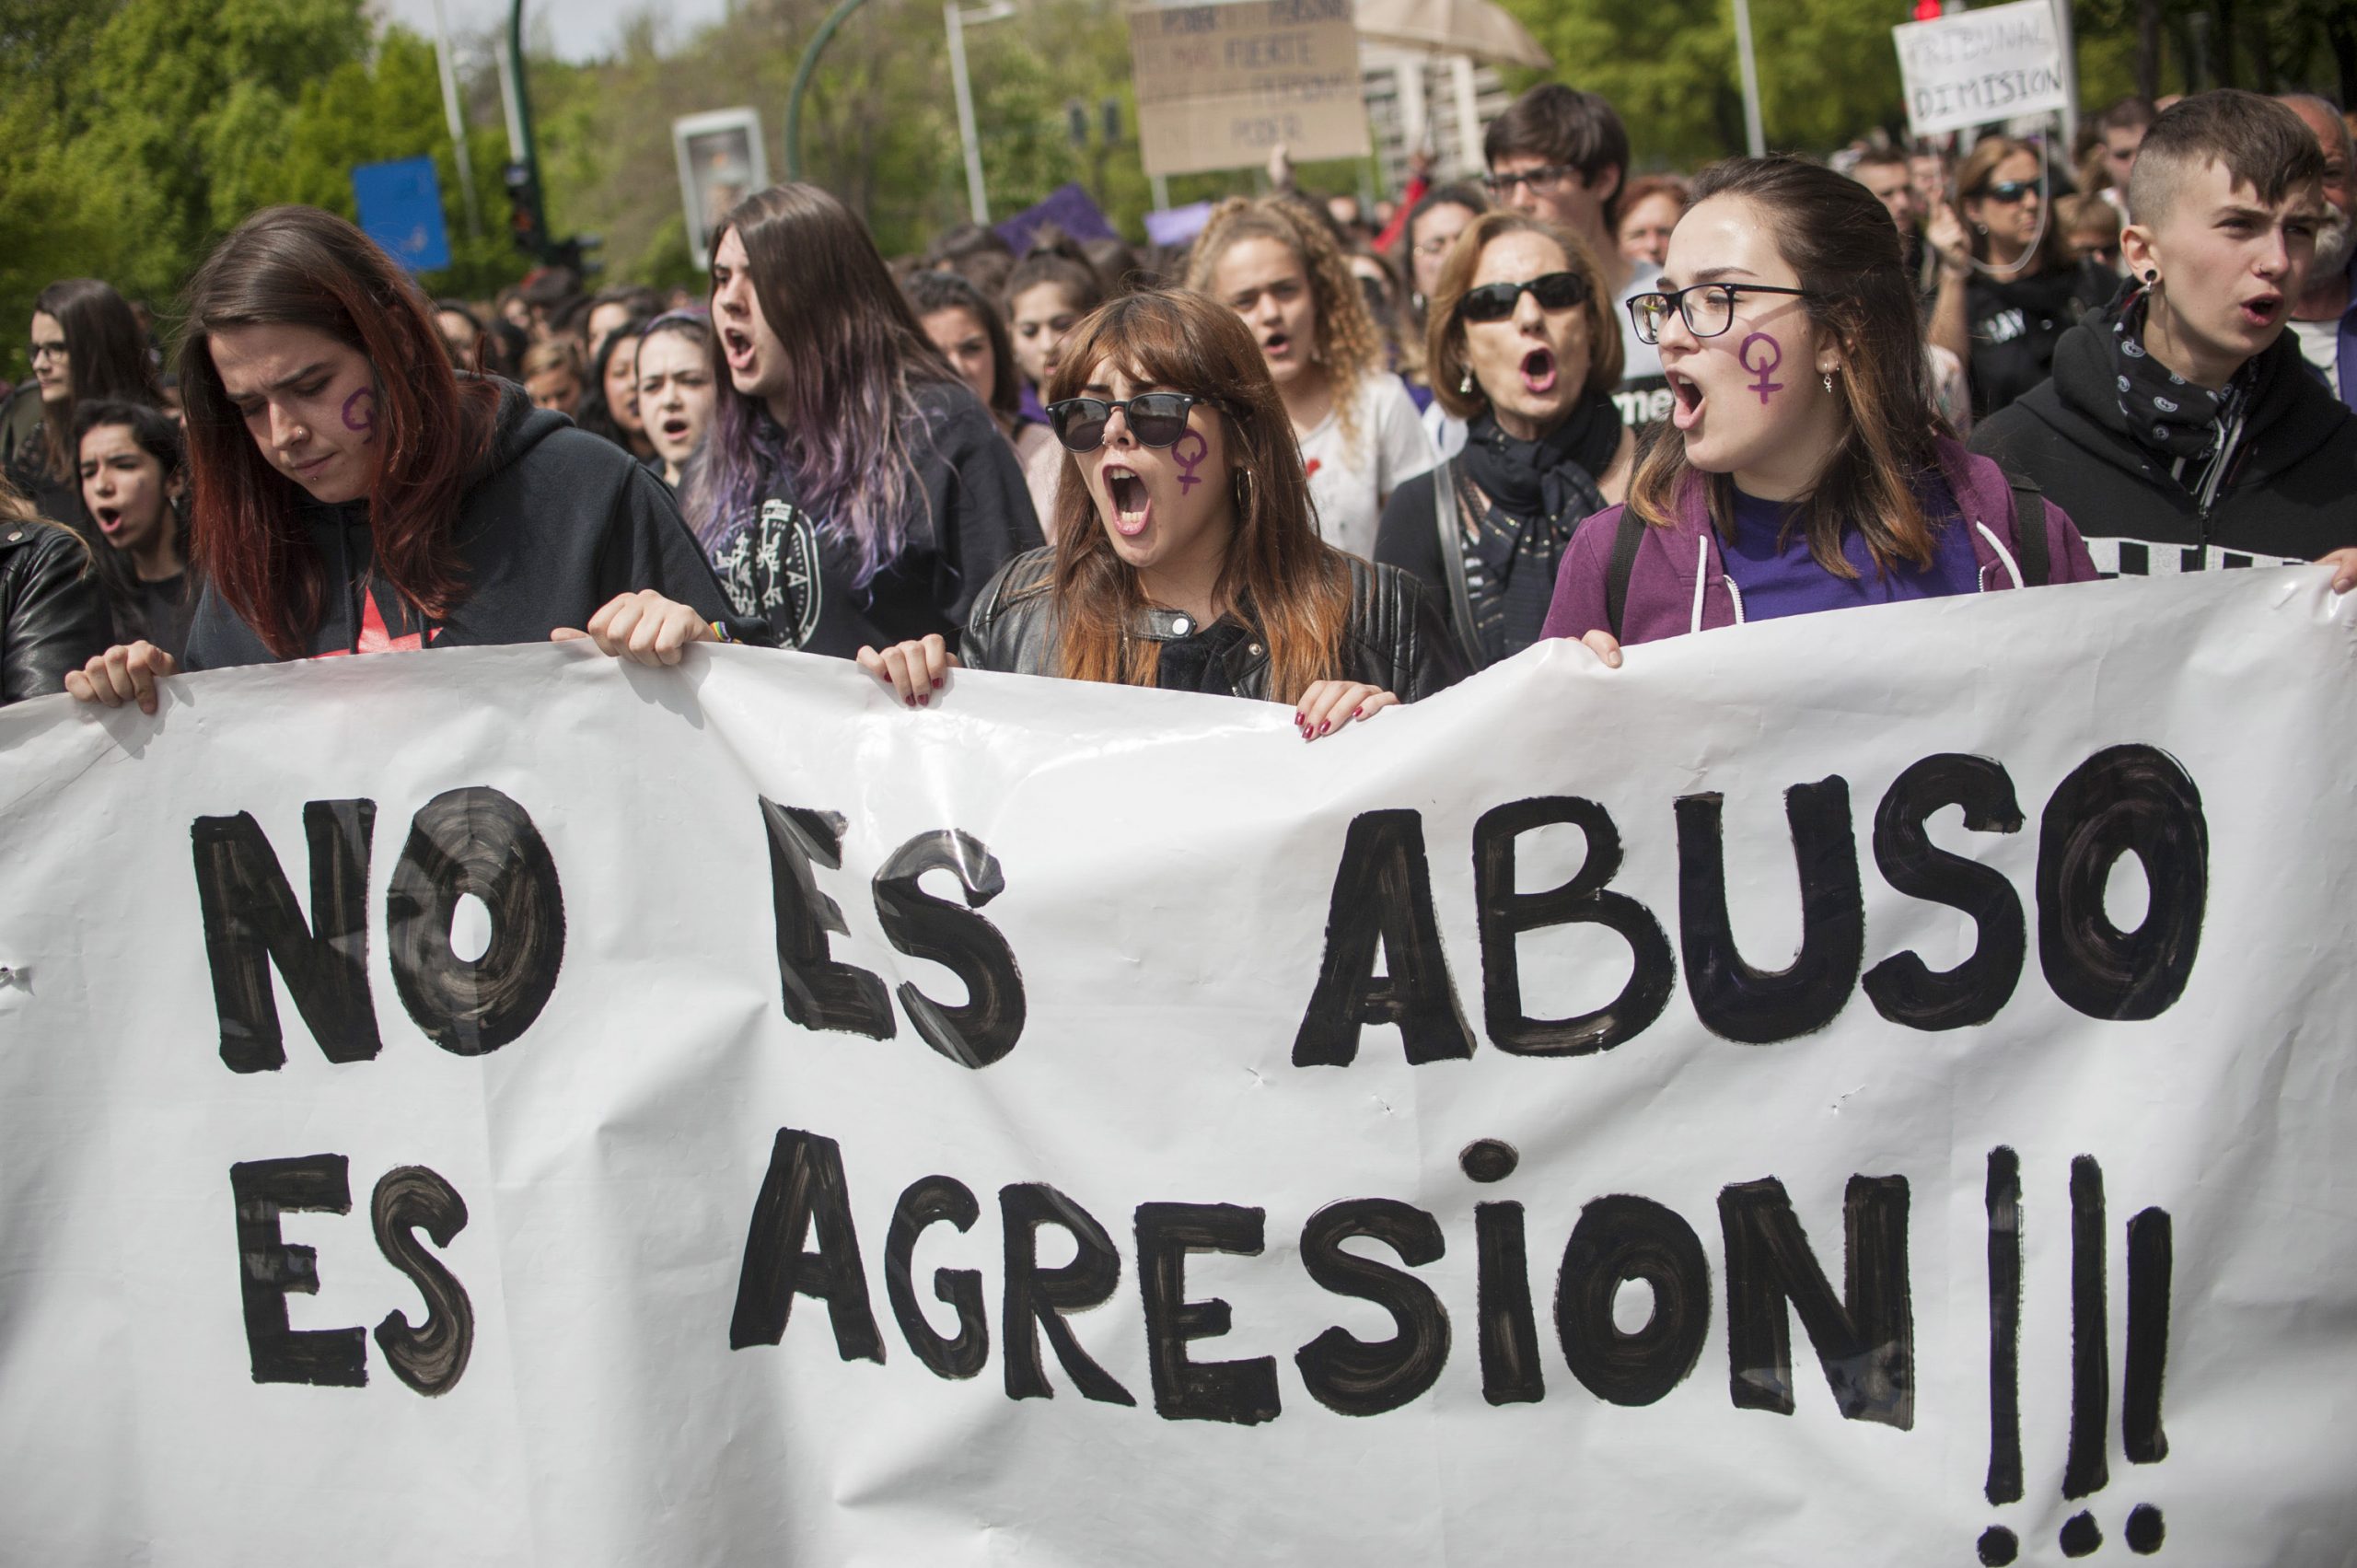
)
(584, 30)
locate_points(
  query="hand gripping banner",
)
(1871, 1087)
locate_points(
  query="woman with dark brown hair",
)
(86, 344)
(1186, 556)
(352, 495)
(1806, 468)
(2011, 261)
(1523, 350)
(850, 489)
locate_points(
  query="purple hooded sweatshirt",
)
(1680, 583)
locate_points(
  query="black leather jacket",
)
(53, 617)
(1395, 640)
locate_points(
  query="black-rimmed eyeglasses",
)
(1709, 307)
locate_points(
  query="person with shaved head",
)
(2181, 428)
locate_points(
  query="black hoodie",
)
(557, 523)
(2289, 491)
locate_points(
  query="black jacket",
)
(52, 618)
(2016, 325)
(1395, 640)
(556, 523)
(969, 514)
(2289, 491)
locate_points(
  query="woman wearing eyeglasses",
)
(1525, 350)
(1186, 556)
(1807, 470)
(2010, 261)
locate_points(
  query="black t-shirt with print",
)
(969, 514)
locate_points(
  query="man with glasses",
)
(1563, 154)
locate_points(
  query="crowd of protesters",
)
(1314, 455)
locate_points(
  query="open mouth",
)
(1538, 370)
(1276, 346)
(1132, 507)
(2262, 310)
(1685, 413)
(110, 519)
(737, 345)
(674, 428)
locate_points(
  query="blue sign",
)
(401, 209)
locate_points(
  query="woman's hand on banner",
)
(1327, 705)
(2344, 569)
(125, 673)
(914, 671)
(1605, 645)
(644, 627)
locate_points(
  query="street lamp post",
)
(958, 18)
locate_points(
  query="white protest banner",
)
(1868, 1088)
(1222, 85)
(1981, 67)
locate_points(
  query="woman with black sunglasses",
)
(1186, 556)
(1808, 470)
(2010, 260)
(1524, 348)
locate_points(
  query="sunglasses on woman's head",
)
(2008, 190)
(1496, 301)
(1156, 419)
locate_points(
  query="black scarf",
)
(1538, 491)
(2165, 413)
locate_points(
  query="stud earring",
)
(1466, 386)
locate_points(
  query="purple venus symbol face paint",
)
(1773, 357)
(360, 412)
(1189, 452)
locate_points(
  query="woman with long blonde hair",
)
(1278, 267)
(1186, 555)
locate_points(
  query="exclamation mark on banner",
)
(2086, 1467)
(1998, 1544)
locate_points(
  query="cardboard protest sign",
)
(1222, 85)
(1870, 1087)
(1979, 67)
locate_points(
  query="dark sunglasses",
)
(2008, 190)
(1156, 419)
(1496, 301)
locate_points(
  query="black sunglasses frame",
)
(2005, 192)
(1510, 295)
(1677, 302)
(1059, 421)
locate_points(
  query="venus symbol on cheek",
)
(1771, 358)
(1189, 452)
(360, 412)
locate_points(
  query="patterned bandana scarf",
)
(2165, 411)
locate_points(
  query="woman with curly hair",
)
(1278, 267)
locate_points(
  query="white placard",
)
(722, 161)
(1981, 67)
(408, 1153)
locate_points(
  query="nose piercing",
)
(297, 436)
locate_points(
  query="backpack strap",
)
(1452, 561)
(2029, 532)
(1623, 565)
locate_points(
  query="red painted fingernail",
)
(1301, 719)
(939, 682)
(926, 700)
(1324, 724)
(1358, 712)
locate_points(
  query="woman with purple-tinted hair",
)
(852, 490)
